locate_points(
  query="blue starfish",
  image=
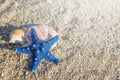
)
(39, 50)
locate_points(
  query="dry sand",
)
(89, 47)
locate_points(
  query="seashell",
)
(17, 36)
(45, 33)
(41, 30)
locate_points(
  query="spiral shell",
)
(17, 36)
(44, 33)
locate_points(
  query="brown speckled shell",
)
(17, 36)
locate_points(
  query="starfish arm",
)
(22, 50)
(52, 58)
(52, 41)
(35, 38)
(36, 61)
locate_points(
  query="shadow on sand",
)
(5, 33)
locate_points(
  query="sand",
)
(89, 45)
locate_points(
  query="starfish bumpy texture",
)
(39, 50)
